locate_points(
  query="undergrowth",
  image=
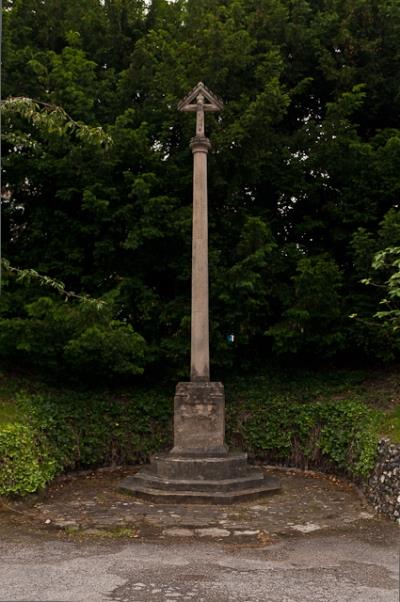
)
(310, 421)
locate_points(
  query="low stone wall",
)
(383, 489)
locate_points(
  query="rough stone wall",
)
(383, 489)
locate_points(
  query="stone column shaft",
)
(200, 351)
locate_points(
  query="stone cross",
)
(199, 467)
(199, 100)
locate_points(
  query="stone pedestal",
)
(199, 419)
(199, 468)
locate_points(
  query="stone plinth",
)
(200, 469)
(216, 480)
(199, 419)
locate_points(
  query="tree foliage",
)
(303, 178)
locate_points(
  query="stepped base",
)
(220, 480)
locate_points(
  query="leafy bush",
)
(26, 463)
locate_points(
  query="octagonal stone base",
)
(200, 479)
(199, 468)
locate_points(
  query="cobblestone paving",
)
(91, 504)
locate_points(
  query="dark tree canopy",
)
(304, 178)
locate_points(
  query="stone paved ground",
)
(84, 541)
(91, 503)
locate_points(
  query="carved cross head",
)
(199, 100)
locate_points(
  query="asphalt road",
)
(357, 564)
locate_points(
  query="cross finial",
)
(200, 99)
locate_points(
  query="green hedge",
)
(61, 433)
(340, 436)
(79, 431)
(85, 431)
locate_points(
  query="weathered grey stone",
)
(212, 532)
(307, 528)
(200, 100)
(246, 533)
(199, 419)
(147, 485)
(178, 532)
(200, 354)
(384, 484)
(171, 466)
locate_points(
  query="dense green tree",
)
(304, 174)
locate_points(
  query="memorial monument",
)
(200, 468)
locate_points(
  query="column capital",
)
(200, 144)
